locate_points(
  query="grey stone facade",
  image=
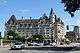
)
(51, 26)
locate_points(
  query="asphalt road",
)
(6, 50)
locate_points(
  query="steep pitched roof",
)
(13, 19)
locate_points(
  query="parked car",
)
(35, 44)
(18, 45)
(46, 43)
(41, 44)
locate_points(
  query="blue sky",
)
(34, 9)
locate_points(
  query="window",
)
(21, 25)
(59, 31)
(25, 25)
(36, 24)
(29, 25)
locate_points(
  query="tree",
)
(0, 36)
(14, 36)
(20, 39)
(36, 38)
(29, 39)
(71, 6)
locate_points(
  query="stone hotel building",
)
(50, 26)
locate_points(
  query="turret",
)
(51, 12)
(52, 16)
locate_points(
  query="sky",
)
(34, 9)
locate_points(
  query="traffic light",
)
(67, 27)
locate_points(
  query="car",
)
(41, 44)
(46, 43)
(35, 44)
(17, 45)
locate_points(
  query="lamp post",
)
(1, 42)
(37, 39)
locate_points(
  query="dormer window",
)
(21, 25)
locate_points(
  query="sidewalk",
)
(5, 46)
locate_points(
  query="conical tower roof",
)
(52, 12)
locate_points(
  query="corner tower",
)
(52, 16)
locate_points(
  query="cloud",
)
(23, 10)
(12, 10)
(3, 2)
(18, 11)
(77, 22)
(66, 20)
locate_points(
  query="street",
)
(6, 50)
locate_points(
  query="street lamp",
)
(1, 42)
(37, 39)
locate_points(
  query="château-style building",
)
(51, 27)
